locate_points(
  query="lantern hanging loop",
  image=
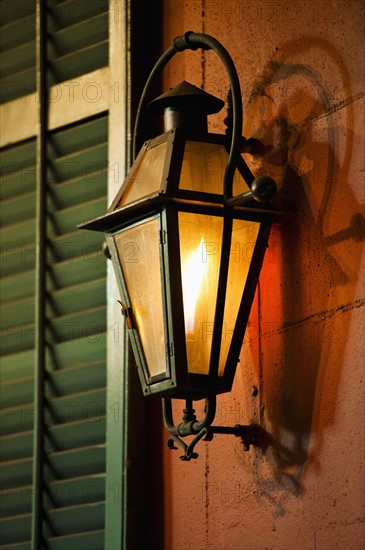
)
(192, 41)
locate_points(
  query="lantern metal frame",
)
(164, 205)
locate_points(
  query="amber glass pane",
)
(200, 247)
(203, 169)
(138, 251)
(147, 177)
(244, 236)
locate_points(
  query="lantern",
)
(187, 240)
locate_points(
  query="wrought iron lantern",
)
(179, 231)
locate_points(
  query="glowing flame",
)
(193, 270)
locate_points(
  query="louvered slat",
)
(75, 434)
(18, 170)
(19, 309)
(92, 540)
(70, 12)
(79, 35)
(72, 65)
(17, 546)
(16, 286)
(20, 233)
(16, 472)
(16, 32)
(73, 519)
(22, 207)
(65, 194)
(18, 59)
(80, 136)
(19, 526)
(17, 337)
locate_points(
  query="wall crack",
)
(333, 109)
(322, 316)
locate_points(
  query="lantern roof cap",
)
(186, 96)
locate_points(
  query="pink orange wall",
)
(301, 67)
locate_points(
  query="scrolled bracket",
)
(189, 426)
(203, 430)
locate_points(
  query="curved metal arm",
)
(193, 41)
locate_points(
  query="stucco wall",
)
(301, 67)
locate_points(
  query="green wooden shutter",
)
(75, 413)
(74, 462)
(76, 310)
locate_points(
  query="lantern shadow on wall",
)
(317, 186)
(188, 196)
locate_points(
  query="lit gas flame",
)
(193, 270)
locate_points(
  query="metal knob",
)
(263, 189)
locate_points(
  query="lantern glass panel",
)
(200, 249)
(203, 169)
(138, 249)
(244, 237)
(147, 177)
